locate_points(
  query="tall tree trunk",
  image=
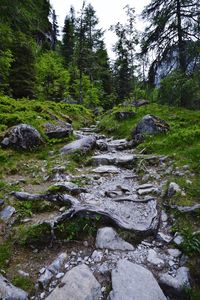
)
(181, 45)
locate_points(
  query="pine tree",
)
(173, 23)
(124, 48)
(68, 42)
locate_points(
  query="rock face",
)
(78, 284)
(22, 136)
(84, 145)
(122, 115)
(150, 125)
(9, 291)
(133, 282)
(107, 238)
(58, 131)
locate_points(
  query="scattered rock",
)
(134, 282)
(153, 258)
(23, 136)
(123, 115)
(78, 284)
(84, 145)
(9, 291)
(163, 237)
(58, 131)
(174, 252)
(178, 239)
(107, 238)
(150, 125)
(175, 285)
(173, 189)
(23, 274)
(7, 213)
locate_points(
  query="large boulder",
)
(58, 131)
(9, 291)
(78, 284)
(150, 125)
(22, 137)
(84, 145)
(133, 282)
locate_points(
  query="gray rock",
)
(178, 239)
(140, 102)
(23, 274)
(45, 278)
(174, 252)
(1, 202)
(153, 258)
(133, 282)
(123, 115)
(22, 136)
(173, 189)
(57, 264)
(176, 285)
(150, 125)
(9, 291)
(106, 169)
(84, 145)
(107, 238)
(78, 284)
(7, 213)
(114, 159)
(186, 209)
(58, 131)
(163, 237)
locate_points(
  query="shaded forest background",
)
(77, 69)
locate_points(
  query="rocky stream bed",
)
(125, 189)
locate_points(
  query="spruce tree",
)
(173, 23)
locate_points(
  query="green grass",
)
(24, 283)
(5, 254)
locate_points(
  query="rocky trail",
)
(134, 254)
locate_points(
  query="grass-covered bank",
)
(36, 113)
(182, 141)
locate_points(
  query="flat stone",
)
(176, 284)
(147, 191)
(45, 278)
(7, 213)
(9, 291)
(84, 145)
(57, 264)
(113, 159)
(106, 169)
(153, 258)
(78, 284)
(134, 282)
(107, 238)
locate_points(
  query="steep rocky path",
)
(124, 189)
